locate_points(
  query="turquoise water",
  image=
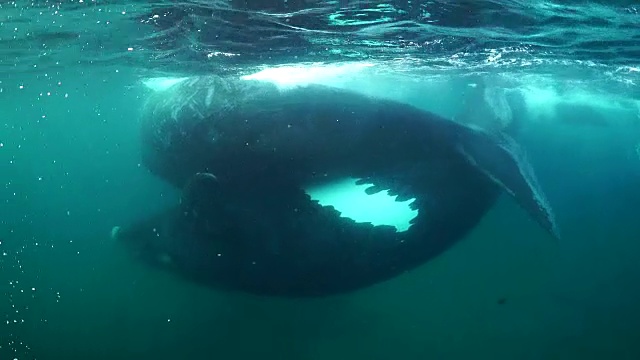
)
(71, 86)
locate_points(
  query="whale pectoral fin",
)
(499, 157)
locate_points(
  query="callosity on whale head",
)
(256, 215)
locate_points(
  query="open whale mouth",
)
(351, 199)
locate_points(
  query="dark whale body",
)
(245, 150)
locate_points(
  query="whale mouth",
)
(350, 197)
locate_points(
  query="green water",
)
(69, 170)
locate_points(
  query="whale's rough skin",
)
(251, 227)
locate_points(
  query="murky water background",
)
(70, 92)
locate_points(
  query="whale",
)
(259, 167)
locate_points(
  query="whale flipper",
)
(485, 140)
(501, 158)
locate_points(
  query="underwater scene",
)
(314, 179)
